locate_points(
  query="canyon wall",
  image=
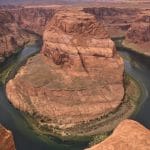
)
(131, 23)
(116, 20)
(12, 37)
(17, 25)
(34, 18)
(138, 35)
(129, 135)
(74, 79)
(6, 139)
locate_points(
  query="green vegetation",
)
(99, 138)
(4, 74)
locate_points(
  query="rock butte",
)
(77, 77)
(129, 135)
(6, 139)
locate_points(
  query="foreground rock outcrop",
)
(129, 135)
(78, 76)
(6, 139)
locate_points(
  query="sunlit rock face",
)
(128, 135)
(6, 139)
(77, 77)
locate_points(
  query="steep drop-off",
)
(17, 25)
(131, 23)
(78, 76)
(33, 18)
(12, 37)
(138, 35)
(129, 135)
(116, 20)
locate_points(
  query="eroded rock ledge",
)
(128, 135)
(77, 77)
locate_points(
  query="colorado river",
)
(26, 139)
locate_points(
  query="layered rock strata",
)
(33, 19)
(6, 139)
(117, 21)
(128, 135)
(77, 77)
(12, 37)
(17, 25)
(131, 23)
(138, 35)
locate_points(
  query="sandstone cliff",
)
(138, 35)
(116, 20)
(78, 76)
(6, 139)
(17, 25)
(129, 135)
(132, 23)
(33, 19)
(12, 37)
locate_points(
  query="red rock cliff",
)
(12, 37)
(6, 139)
(116, 20)
(33, 19)
(138, 35)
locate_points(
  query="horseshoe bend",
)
(71, 81)
(75, 77)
